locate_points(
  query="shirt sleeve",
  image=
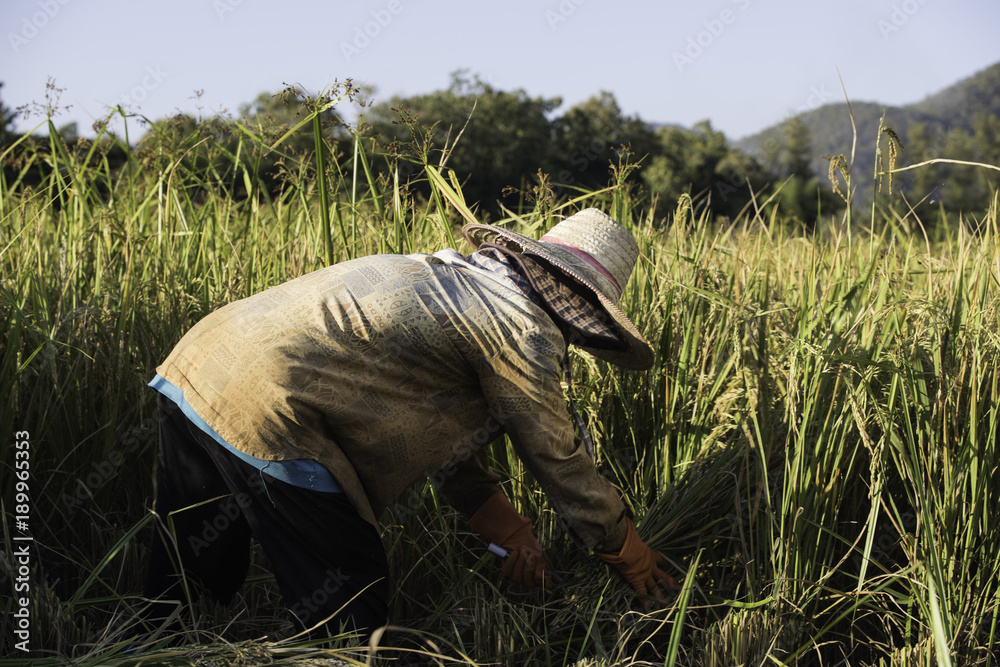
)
(522, 385)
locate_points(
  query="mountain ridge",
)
(952, 108)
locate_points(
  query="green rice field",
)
(815, 450)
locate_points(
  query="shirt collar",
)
(493, 260)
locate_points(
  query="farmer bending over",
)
(299, 414)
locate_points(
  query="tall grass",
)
(815, 449)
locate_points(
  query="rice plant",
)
(815, 450)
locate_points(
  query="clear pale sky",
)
(743, 64)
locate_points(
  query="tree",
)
(739, 177)
(588, 138)
(801, 196)
(987, 140)
(272, 115)
(797, 151)
(924, 183)
(207, 147)
(963, 189)
(6, 122)
(493, 138)
(700, 163)
(954, 187)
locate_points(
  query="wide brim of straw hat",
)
(637, 355)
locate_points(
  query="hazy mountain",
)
(953, 108)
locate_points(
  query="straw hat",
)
(598, 253)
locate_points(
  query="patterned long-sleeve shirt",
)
(388, 369)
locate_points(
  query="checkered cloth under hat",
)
(598, 255)
(570, 303)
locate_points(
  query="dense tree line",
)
(956, 187)
(961, 122)
(503, 143)
(507, 146)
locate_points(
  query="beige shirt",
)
(389, 369)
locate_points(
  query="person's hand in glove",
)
(642, 567)
(497, 521)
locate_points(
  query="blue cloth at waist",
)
(305, 473)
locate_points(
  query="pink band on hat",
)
(585, 257)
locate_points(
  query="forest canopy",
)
(508, 147)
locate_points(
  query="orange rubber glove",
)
(642, 567)
(497, 521)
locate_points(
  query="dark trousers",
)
(327, 560)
